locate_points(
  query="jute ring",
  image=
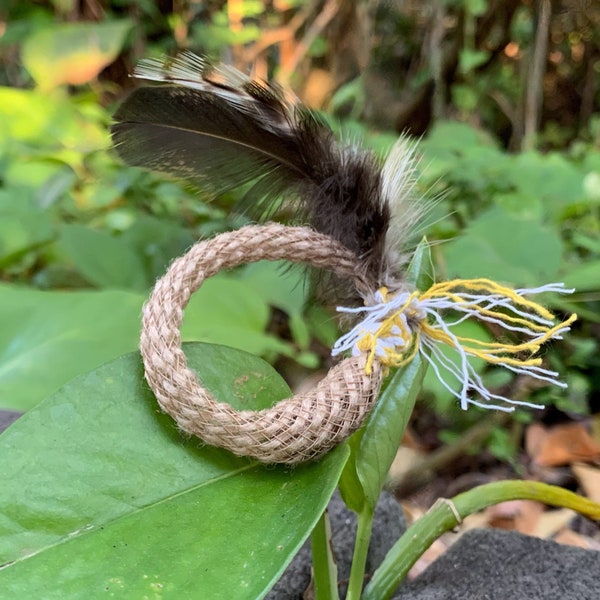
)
(294, 430)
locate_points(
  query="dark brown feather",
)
(222, 130)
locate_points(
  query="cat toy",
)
(221, 129)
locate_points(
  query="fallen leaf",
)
(595, 427)
(570, 538)
(518, 515)
(562, 444)
(535, 435)
(589, 478)
(405, 460)
(474, 521)
(412, 511)
(553, 521)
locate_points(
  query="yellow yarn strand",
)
(445, 289)
(398, 327)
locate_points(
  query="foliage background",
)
(505, 95)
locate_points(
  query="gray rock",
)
(486, 564)
(490, 564)
(388, 526)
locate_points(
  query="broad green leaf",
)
(323, 327)
(22, 224)
(471, 59)
(39, 122)
(103, 259)
(227, 311)
(47, 338)
(385, 428)
(507, 249)
(591, 159)
(586, 241)
(584, 277)
(72, 53)
(449, 138)
(551, 177)
(100, 495)
(521, 206)
(283, 288)
(591, 186)
(465, 97)
(157, 242)
(460, 153)
(476, 8)
(350, 486)
(33, 173)
(55, 186)
(99, 195)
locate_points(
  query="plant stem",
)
(444, 515)
(535, 79)
(361, 547)
(324, 567)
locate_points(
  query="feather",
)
(221, 129)
(398, 181)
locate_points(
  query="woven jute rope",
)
(294, 430)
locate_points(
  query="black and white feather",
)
(221, 129)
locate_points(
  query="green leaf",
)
(460, 153)
(29, 119)
(22, 224)
(157, 242)
(385, 428)
(419, 272)
(47, 338)
(449, 138)
(591, 186)
(528, 208)
(475, 8)
(283, 288)
(227, 311)
(465, 97)
(551, 177)
(103, 259)
(505, 248)
(33, 173)
(100, 494)
(350, 486)
(584, 278)
(72, 53)
(501, 444)
(471, 59)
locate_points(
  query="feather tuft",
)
(398, 181)
(222, 129)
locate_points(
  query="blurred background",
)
(504, 96)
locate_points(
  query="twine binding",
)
(294, 430)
